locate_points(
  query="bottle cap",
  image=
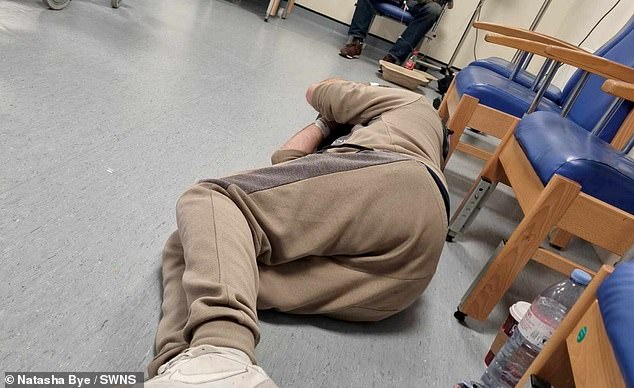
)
(580, 277)
(519, 309)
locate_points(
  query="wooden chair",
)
(504, 124)
(483, 96)
(582, 353)
(556, 200)
(517, 71)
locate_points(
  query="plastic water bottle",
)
(528, 339)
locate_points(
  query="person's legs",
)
(359, 27)
(220, 279)
(361, 19)
(425, 15)
(169, 340)
(210, 291)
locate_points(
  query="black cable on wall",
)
(475, 57)
(599, 22)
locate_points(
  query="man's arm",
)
(355, 103)
(342, 102)
(305, 140)
(301, 144)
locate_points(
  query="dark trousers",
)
(425, 15)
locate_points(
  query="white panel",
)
(567, 20)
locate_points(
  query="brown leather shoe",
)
(352, 50)
(389, 58)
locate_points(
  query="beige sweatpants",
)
(348, 234)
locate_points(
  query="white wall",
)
(580, 19)
(569, 20)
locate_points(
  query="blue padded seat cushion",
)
(524, 78)
(555, 145)
(615, 303)
(497, 92)
(392, 11)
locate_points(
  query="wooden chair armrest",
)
(582, 60)
(604, 67)
(619, 88)
(518, 43)
(524, 34)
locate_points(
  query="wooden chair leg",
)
(443, 110)
(490, 175)
(493, 170)
(274, 7)
(290, 4)
(559, 238)
(459, 119)
(501, 271)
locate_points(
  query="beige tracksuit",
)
(350, 234)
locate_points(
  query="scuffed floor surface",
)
(106, 115)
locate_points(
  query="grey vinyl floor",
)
(107, 115)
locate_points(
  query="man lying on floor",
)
(353, 232)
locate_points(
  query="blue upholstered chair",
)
(392, 11)
(506, 68)
(517, 71)
(615, 303)
(564, 177)
(485, 100)
(593, 111)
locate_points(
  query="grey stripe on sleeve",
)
(309, 166)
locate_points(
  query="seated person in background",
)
(425, 13)
(354, 233)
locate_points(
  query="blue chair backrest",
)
(592, 102)
(615, 302)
